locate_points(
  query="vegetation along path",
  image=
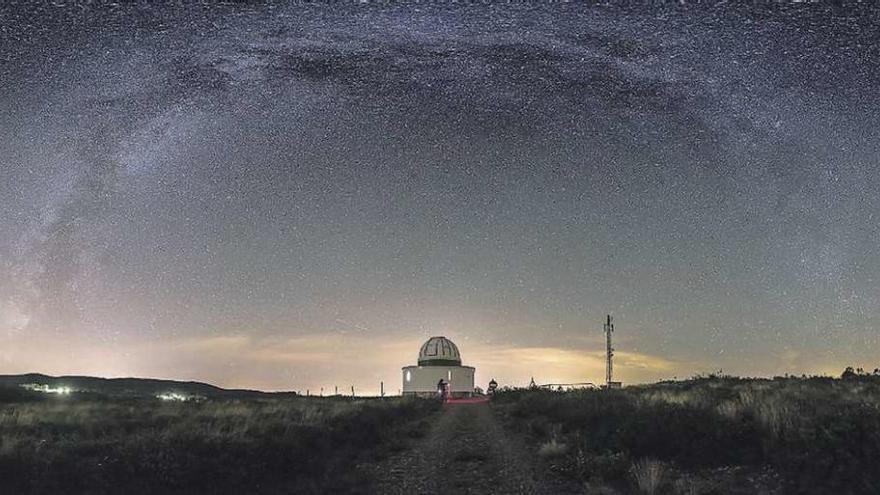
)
(465, 451)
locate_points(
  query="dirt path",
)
(466, 452)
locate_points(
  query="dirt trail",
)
(466, 452)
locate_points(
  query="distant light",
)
(46, 389)
(172, 396)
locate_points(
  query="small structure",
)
(439, 361)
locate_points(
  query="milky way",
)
(261, 195)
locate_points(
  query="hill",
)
(134, 387)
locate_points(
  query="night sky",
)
(295, 197)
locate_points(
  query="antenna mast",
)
(609, 353)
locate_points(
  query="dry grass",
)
(786, 425)
(138, 446)
(552, 448)
(648, 475)
(731, 410)
(686, 486)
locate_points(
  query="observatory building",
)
(439, 359)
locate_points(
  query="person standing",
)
(442, 390)
(492, 386)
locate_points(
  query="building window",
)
(449, 375)
(408, 376)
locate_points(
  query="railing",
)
(567, 386)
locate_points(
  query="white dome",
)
(439, 351)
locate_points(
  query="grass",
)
(92, 444)
(552, 448)
(648, 475)
(794, 435)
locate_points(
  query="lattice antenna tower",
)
(609, 353)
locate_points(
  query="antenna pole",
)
(609, 353)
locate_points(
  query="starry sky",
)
(290, 197)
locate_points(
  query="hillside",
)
(715, 435)
(110, 445)
(133, 387)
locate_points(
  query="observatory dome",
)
(439, 367)
(439, 351)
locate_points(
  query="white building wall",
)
(423, 379)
